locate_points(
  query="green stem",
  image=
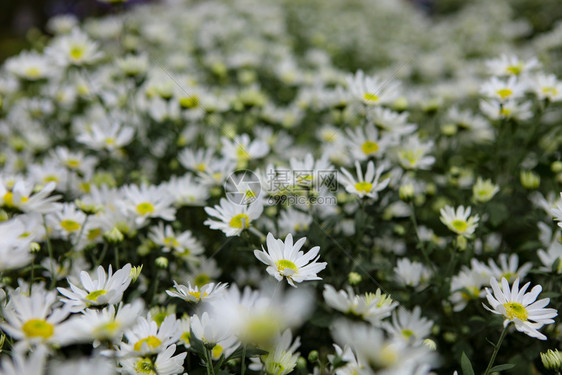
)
(209, 360)
(80, 233)
(102, 255)
(243, 369)
(422, 245)
(496, 349)
(51, 256)
(32, 274)
(116, 257)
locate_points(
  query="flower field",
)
(292, 187)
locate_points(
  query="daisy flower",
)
(547, 87)
(503, 90)
(291, 220)
(510, 65)
(166, 363)
(233, 218)
(195, 294)
(183, 244)
(281, 359)
(105, 325)
(75, 48)
(509, 268)
(413, 154)
(30, 66)
(19, 364)
(22, 196)
(146, 337)
(67, 221)
(284, 260)
(409, 325)
(527, 314)
(459, 221)
(34, 319)
(14, 247)
(242, 149)
(371, 90)
(367, 186)
(366, 142)
(484, 190)
(187, 191)
(411, 273)
(104, 290)
(372, 307)
(146, 202)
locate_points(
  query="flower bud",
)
(530, 180)
(354, 278)
(161, 262)
(552, 360)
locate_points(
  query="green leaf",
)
(466, 365)
(503, 367)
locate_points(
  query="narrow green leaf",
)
(503, 367)
(466, 365)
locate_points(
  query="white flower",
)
(527, 314)
(371, 90)
(104, 290)
(34, 319)
(411, 273)
(557, 212)
(234, 218)
(510, 65)
(146, 202)
(373, 307)
(67, 221)
(14, 247)
(195, 294)
(484, 190)
(412, 154)
(209, 329)
(550, 256)
(242, 149)
(146, 337)
(281, 359)
(366, 142)
(105, 325)
(164, 364)
(187, 191)
(22, 196)
(291, 220)
(503, 90)
(96, 364)
(285, 261)
(509, 268)
(73, 49)
(459, 220)
(183, 244)
(547, 87)
(104, 135)
(19, 364)
(409, 325)
(367, 186)
(30, 66)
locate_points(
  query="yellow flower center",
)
(151, 341)
(471, 292)
(94, 233)
(515, 310)
(185, 337)
(407, 333)
(240, 221)
(369, 97)
(93, 296)
(33, 72)
(217, 351)
(171, 242)
(515, 69)
(50, 178)
(242, 153)
(144, 366)
(77, 52)
(73, 163)
(106, 330)
(189, 102)
(549, 91)
(504, 93)
(70, 225)
(9, 200)
(145, 208)
(411, 156)
(369, 147)
(364, 187)
(459, 225)
(200, 167)
(38, 328)
(284, 264)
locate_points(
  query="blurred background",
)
(22, 23)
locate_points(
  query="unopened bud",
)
(313, 356)
(354, 278)
(530, 180)
(135, 272)
(552, 360)
(34, 247)
(430, 344)
(161, 262)
(406, 192)
(114, 236)
(461, 242)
